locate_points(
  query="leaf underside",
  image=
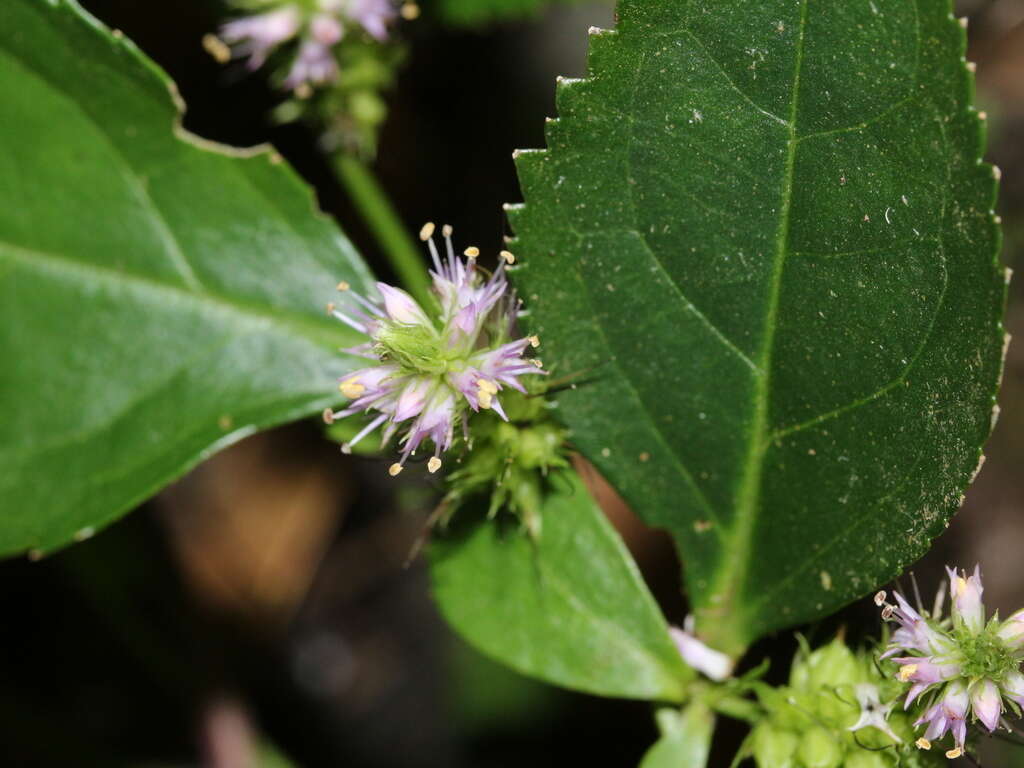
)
(766, 232)
(570, 608)
(159, 299)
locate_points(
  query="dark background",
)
(262, 600)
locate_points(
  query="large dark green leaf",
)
(570, 608)
(766, 228)
(158, 299)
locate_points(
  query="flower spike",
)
(432, 366)
(963, 668)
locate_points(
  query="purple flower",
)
(924, 672)
(431, 369)
(914, 633)
(958, 666)
(966, 593)
(372, 15)
(949, 713)
(318, 28)
(255, 37)
(986, 703)
(314, 65)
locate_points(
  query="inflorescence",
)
(966, 669)
(316, 27)
(433, 366)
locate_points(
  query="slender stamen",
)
(347, 447)
(349, 321)
(446, 230)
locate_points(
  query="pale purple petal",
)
(256, 36)
(708, 661)
(966, 593)
(314, 65)
(1012, 631)
(401, 307)
(372, 15)
(1013, 687)
(986, 703)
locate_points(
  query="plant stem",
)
(375, 208)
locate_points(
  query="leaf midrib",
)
(727, 629)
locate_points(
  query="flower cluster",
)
(316, 27)
(839, 709)
(431, 367)
(967, 668)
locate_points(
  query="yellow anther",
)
(537, 363)
(923, 743)
(328, 416)
(508, 256)
(330, 307)
(484, 398)
(954, 753)
(217, 48)
(343, 286)
(447, 230)
(472, 252)
(351, 388)
(534, 341)
(395, 469)
(880, 598)
(487, 386)
(410, 11)
(961, 585)
(427, 231)
(907, 672)
(433, 465)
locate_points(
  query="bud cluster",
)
(510, 460)
(838, 711)
(961, 668)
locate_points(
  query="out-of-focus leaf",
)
(160, 298)
(766, 231)
(570, 608)
(686, 738)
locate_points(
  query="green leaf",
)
(765, 231)
(472, 13)
(160, 297)
(570, 608)
(685, 740)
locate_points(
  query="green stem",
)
(373, 205)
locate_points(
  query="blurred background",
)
(257, 613)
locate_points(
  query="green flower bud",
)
(830, 666)
(820, 748)
(773, 748)
(863, 758)
(836, 706)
